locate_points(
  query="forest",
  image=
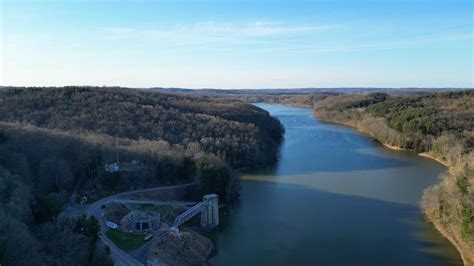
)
(55, 142)
(240, 134)
(422, 123)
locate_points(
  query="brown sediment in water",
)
(466, 253)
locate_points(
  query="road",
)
(94, 209)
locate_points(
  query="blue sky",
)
(238, 44)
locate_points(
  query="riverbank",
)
(466, 252)
(188, 248)
(439, 160)
(392, 147)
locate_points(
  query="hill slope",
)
(238, 133)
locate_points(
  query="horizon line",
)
(261, 88)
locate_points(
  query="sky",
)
(237, 44)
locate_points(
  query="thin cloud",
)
(363, 46)
(257, 29)
(213, 32)
(263, 37)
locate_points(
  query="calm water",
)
(335, 198)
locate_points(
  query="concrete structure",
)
(209, 209)
(142, 222)
(188, 214)
(210, 212)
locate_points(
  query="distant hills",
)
(364, 90)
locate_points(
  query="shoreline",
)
(431, 156)
(439, 227)
(392, 147)
(443, 231)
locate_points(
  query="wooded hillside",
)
(239, 133)
(56, 141)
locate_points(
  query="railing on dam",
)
(209, 209)
(188, 214)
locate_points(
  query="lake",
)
(336, 197)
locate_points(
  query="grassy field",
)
(124, 240)
(162, 209)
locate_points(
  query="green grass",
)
(124, 240)
(162, 209)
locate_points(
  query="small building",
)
(148, 237)
(132, 166)
(111, 167)
(142, 222)
(113, 214)
(111, 225)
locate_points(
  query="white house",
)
(111, 225)
(111, 167)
